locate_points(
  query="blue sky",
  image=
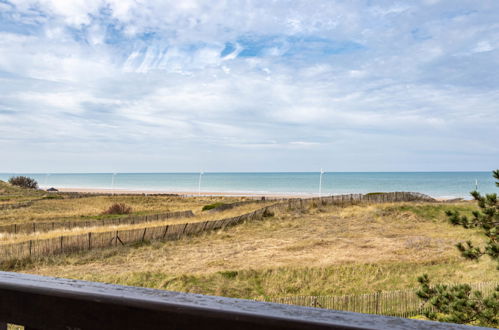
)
(128, 85)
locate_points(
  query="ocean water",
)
(436, 184)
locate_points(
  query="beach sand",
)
(208, 193)
(180, 193)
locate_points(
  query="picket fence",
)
(8, 206)
(401, 303)
(34, 227)
(88, 241)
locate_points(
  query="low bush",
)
(268, 214)
(118, 208)
(23, 182)
(212, 206)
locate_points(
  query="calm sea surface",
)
(436, 184)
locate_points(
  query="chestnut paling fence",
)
(18, 205)
(90, 240)
(33, 227)
(401, 303)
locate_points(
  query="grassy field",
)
(59, 207)
(200, 216)
(316, 251)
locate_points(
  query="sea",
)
(435, 184)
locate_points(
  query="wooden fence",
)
(40, 302)
(9, 206)
(33, 227)
(402, 303)
(359, 198)
(88, 241)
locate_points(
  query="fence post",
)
(62, 237)
(166, 229)
(143, 235)
(377, 301)
(89, 240)
(30, 247)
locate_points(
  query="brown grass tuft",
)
(118, 208)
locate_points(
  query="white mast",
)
(199, 183)
(112, 183)
(320, 183)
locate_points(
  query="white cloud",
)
(323, 77)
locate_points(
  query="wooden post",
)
(116, 238)
(34, 227)
(166, 229)
(62, 237)
(144, 234)
(377, 301)
(30, 247)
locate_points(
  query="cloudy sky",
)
(149, 85)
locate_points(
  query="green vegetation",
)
(212, 206)
(436, 212)
(314, 250)
(317, 251)
(12, 193)
(458, 303)
(24, 182)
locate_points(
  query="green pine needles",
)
(458, 303)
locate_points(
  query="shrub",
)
(24, 182)
(229, 274)
(374, 193)
(118, 208)
(212, 206)
(267, 213)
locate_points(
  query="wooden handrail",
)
(39, 302)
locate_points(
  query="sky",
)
(179, 86)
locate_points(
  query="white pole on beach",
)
(46, 180)
(320, 183)
(112, 183)
(199, 183)
(476, 184)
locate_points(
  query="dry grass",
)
(9, 238)
(329, 250)
(92, 207)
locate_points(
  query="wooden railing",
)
(38, 302)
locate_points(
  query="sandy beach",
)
(204, 193)
(180, 193)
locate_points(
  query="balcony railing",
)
(39, 302)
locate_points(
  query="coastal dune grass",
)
(323, 250)
(92, 207)
(9, 238)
